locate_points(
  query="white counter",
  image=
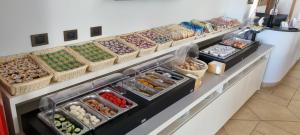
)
(175, 116)
(284, 55)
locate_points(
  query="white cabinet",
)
(209, 120)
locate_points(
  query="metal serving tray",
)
(105, 103)
(155, 81)
(169, 74)
(220, 57)
(45, 117)
(109, 90)
(102, 118)
(132, 85)
(247, 42)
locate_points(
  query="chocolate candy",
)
(138, 41)
(156, 37)
(116, 46)
(21, 70)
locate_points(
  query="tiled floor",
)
(271, 111)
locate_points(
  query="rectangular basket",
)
(142, 52)
(26, 87)
(198, 73)
(175, 42)
(159, 46)
(183, 41)
(120, 58)
(65, 75)
(93, 66)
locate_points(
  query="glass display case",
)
(79, 109)
(152, 79)
(114, 104)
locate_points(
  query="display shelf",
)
(12, 101)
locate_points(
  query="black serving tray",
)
(233, 59)
(125, 122)
(248, 42)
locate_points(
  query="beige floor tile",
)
(284, 91)
(294, 107)
(239, 127)
(244, 114)
(269, 111)
(291, 81)
(297, 66)
(221, 132)
(291, 127)
(272, 98)
(268, 90)
(267, 129)
(294, 73)
(297, 95)
(256, 133)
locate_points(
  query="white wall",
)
(297, 10)
(21, 18)
(235, 8)
(284, 6)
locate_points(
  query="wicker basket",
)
(142, 52)
(159, 46)
(120, 58)
(93, 66)
(198, 73)
(60, 76)
(26, 87)
(182, 41)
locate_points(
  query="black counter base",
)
(124, 123)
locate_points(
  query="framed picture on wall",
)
(250, 1)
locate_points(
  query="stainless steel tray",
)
(169, 74)
(107, 89)
(45, 117)
(158, 79)
(102, 118)
(105, 103)
(132, 85)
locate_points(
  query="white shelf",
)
(12, 101)
(91, 75)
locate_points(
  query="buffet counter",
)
(284, 55)
(205, 111)
(24, 103)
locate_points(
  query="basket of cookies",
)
(192, 66)
(144, 45)
(177, 33)
(163, 42)
(20, 74)
(119, 48)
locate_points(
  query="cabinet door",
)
(214, 116)
(255, 77)
(209, 120)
